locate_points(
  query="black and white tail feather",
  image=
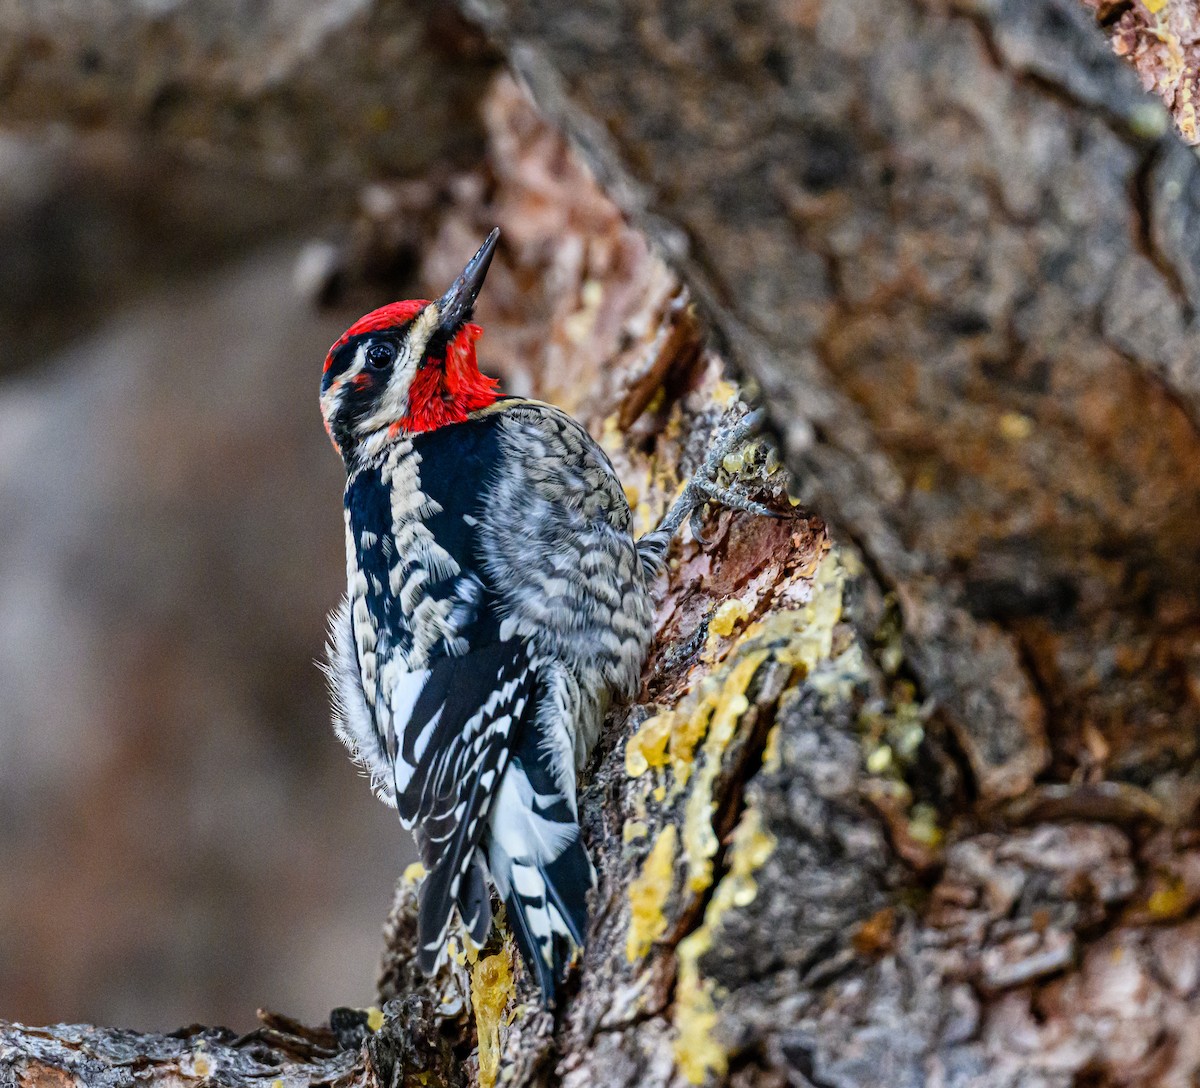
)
(523, 834)
(537, 860)
(484, 792)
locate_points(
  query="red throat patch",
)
(447, 390)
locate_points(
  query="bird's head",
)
(408, 367)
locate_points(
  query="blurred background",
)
(181, 836)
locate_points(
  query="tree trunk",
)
(907, 803)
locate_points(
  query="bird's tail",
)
(541, 871)
(440, 894)
(547, 910)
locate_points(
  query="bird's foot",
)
(729, 440)
(703, 487)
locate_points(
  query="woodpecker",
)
(496, 604)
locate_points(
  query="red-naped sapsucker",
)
(497, 602)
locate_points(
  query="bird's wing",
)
(505, 559)
(557, 547)
(454, 752)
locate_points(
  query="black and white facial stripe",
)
(365, 387)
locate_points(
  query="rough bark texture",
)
(289, 88)
(917, 806)
(962, 272)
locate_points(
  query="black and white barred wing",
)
(451, 755)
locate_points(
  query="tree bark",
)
(914, 805)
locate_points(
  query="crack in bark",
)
(1142, 204)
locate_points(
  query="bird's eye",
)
(381, 355)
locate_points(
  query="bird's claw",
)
(727, 496)
(696, 525)
(703, 488)
(729, 441)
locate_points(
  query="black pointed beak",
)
(456, 305)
